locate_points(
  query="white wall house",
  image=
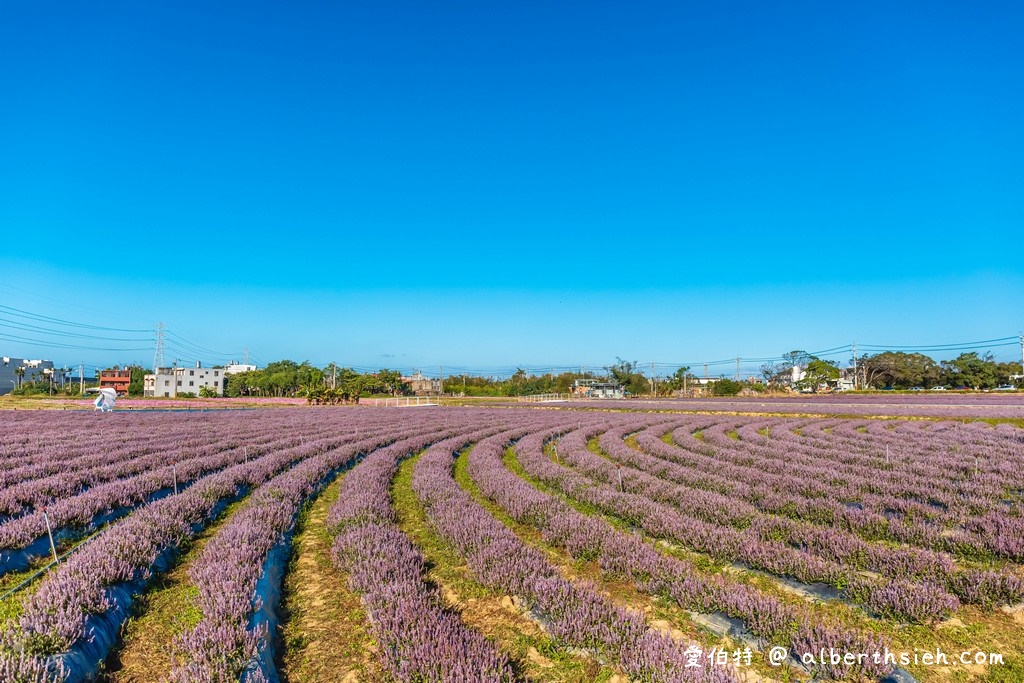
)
(234, 368)
(595, 388)
(32, 371)
(169, 382)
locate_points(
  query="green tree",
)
(972, 371)
(818, 373)
(391, 380)
(679, 379)
(621, 371)
(516, 385)
(1009, 373)
(137, 386)
(307, 375)
(331, 373)
(726, 387)
(780, 373)
(239, 384)
(627, 374)
(349, 382)
(899, 370)
(790, 360)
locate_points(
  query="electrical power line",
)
(77, 347)
(4, 322)
(185, 342)
(58, 333)
(17, 312)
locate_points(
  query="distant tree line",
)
(894, 370)
(332, 384)
(899, 370)
(337, 384)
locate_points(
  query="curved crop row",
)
(621, 554)
(726, 544)
(744, 526)
(576, 614)
(419, 640)
(769, 481)
(233, 631)
(75, 515)
(68, 618)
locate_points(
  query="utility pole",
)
(1022, 357)
(81, 378)
(441, 380)
(705, 373)
(174, 380)
(654, 390)
(855, 365)
(737, 369)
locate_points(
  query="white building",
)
(234, 368)
(31, 371)
(169, 382)
(595, 388)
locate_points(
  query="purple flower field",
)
(925, 404)
(630, 545)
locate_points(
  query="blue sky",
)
(489, 185)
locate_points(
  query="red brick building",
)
(115, 379)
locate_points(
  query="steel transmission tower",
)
(158, 356)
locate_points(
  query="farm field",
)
(946, 405)
(10, 402)
(546, 543)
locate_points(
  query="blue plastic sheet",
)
(22, 558)
(84, 660)
(268, 591)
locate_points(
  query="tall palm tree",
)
(20, 372)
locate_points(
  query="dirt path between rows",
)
(166, 609)
(324, 630)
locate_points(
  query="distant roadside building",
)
(596, 388)
(697, 386)
(422, 385)
(170, 382)
(116, 379)
(30, 371)
(234, 368)
(845, 381)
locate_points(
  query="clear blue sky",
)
(488, 185)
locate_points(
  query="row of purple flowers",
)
(234, 637)
(575, 614)
(419, 640)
